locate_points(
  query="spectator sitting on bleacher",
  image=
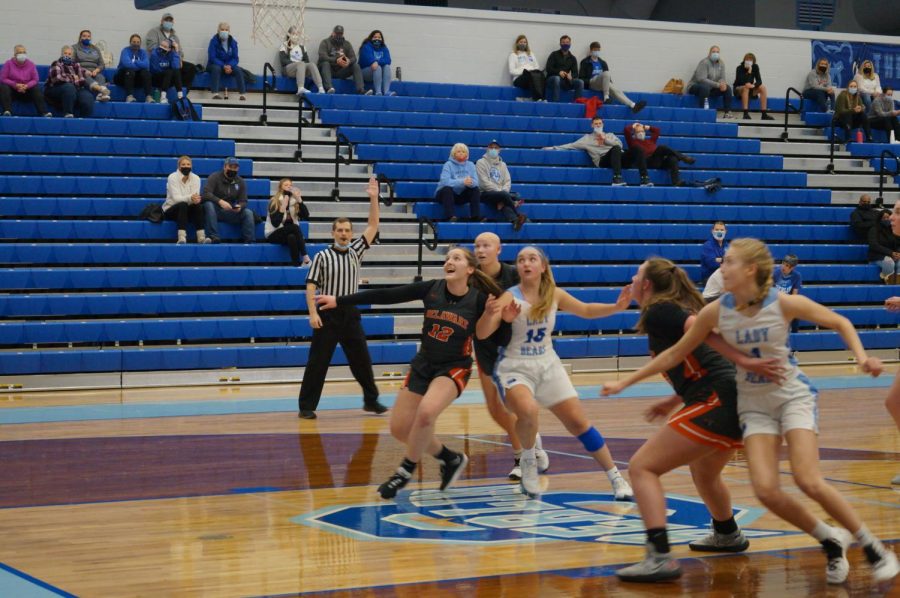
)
(525, 71)
(459, 184)
(787, 280)
(658, 156)
(225, 200)
(89, 56)
(295, 62)
(134, 65)
(166, 30)
(337, 59)
(709, 80)
(818, 87)
(715, 286)
(864, 218)
(713, 250)
(849, 112)
(869, 83)
(495, 184)
(884, 248)
(375, 62)
(605, 151)
(562, 70)
(222, 58)
(883, 114)
(594, 73)
(183, 201)
(19, 80)
(748, 84)
(283, 221)
(66, 85)
(165, 70)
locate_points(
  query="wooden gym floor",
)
(224, 492)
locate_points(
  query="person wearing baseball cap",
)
(495, 184)
(225, 200)
(166, 31)
(787, 279)
(337, 59)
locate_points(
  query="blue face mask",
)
(167, 25)
(223, 35)
(714, 57)
(66, 59)
(718, 235)
(85, 42)
(565, 47)
(340, 245)
(493, 153)
(377, 43)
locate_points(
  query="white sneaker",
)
(515, 473)
(885, 568)
(542, 458)
(838, 568)
(655, 567)
(149, 100)
(130, 99)
(302, 91)
(622, 489)
(321, 90)
(530, 483)
(103, 97)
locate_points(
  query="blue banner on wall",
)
(845, 58)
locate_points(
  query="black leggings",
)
(533, 80)
(126, 78)
(852, 120)
(182, 212)
(290, 234)
(166, 79)
(615, 158)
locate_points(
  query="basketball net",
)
(272, 19)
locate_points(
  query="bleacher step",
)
(251, 115)
(856, 181)
(763, 132)
(285, 150)
(843, 197)
(356, 211)
(814, 165)
(276, 133)
(801, 148)
(390, 231)
(310, 170)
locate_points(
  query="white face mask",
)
(223, 35)
(748, 64)
(21, 57)
(640, 135)
(596, 53)
(852, 90)
(714, 57)
(718, 235)
(598, 130)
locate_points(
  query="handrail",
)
(267, 67)
(298, 153)
(431, 245)
(829, 168)
(338, 136)
(788, 108)
(881, 172)
(389, 200)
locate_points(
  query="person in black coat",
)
(884, 248)
(562, 70)
(748, 84)
(864, 217)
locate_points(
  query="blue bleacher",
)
(101, 185)
(90, 207)
(125, 165)
(111, 230)
(107, 127)
(89, 254)
(72, 145)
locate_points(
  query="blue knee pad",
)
(592, 440)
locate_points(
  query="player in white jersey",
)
(755, 318)
(893, 304)
(529, 373)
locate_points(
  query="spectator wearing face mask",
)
(495, 184)
(283, 217)
(338, 60)
(713, 250)
(643, 137)
(605, 151)
(850, 112)
(864, 217)
(525, 71)
(183, 201)
(748, 84)
(165, 70)
(66, 85)
(562, 70)
(787, 280)
(295, 62)
(818, 87)
(884, 249)
(222, 54)
(869, 83)
(166, 30)
(19, 80)
(89, 56)
(375, 62)
(225, 200)
(709, 80)
(883, 115)
(594, 73)
(459, 184)
(134, 67)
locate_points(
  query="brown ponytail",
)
(478, 279)
(546, 288)
(670, 284)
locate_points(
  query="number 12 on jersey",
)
(441, 333)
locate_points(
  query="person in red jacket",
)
(644, 137)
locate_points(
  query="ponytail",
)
(670, 284)
(755, 252)
(546, 288)
(478, 279)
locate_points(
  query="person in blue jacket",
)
(459, 184)
(713, 250)
(165, 69)
(223, 58)
(134, 66)
(375, 62)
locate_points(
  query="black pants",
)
(534, 81)
(33, 95)
(166, 79)
(886, 123)
(470, 195)
(703, 91)
(127, 78)
(853, 120)
(340, 325)
(615, 158)
(183, 212)
(504, 203)
(820, 97)
(666, 157)
(188, 72)
(290, 234)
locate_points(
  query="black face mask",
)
(867, 71)
(822, 69)
(185, 171)
(231, 173)
(286, 193)
(865, 206)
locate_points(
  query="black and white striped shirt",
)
(337, 272)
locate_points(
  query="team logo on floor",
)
(502, 515)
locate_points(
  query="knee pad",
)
(592, 440)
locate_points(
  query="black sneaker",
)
(765, 116)
(638, 107)
(450, 472)
(646, 182)
(375, 407)
(306, 414)
(394, 483)
(618, 182)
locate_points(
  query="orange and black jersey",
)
(449, 322)
(664, 323)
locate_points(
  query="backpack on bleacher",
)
(153, 212)
(183, 109)
(674, 86)
(108, 59)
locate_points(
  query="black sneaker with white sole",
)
(451, 471)
(394, 483)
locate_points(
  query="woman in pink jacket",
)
(19, 80)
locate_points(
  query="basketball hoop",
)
(272, 18)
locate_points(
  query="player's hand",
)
(661, 409)
(492, 305)
(872, 366)
(315, 320)
(624, 299)
(892, 304)
(612, 388)
(769, 368)
(326, 301)
(511, 311)
(372, 189)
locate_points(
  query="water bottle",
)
(859, 136)
(828, 106)
(399, 74)
(706, 103)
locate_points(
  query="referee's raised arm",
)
(374, 211)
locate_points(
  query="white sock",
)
(537, 442)
(518, 453)
(613, 473)
(867, 538)
(822, 531)
(631, 105)
(528, 453)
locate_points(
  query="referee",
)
(335, 271)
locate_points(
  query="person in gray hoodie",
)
(89, 57)
(883, 114)
(166, 30)
(605, 151)
(709, 79)
(337, 59)
(495, 184)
